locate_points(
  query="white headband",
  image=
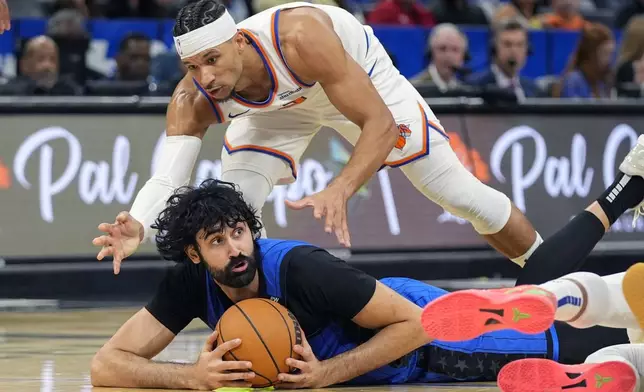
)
(206, 37)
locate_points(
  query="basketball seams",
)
(221, 335)
(290, 339)
(277, 368)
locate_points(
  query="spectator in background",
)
(589, 73)
(38, 71)
(636, 7)
(263, 5)
(133, 59)
(85, 7)
(67, 27)
(401, 12)
(525, 12)
(630, 64)
(565, 16)
(460, 12)
(509, 54)
(137, 9)
(447, 47)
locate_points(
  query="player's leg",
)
(616, 368)
(442, 178)
(611, 369)
(424, 155)
(581, 299)
(263, 151)
(565, 251)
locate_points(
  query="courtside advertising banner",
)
(62, 175)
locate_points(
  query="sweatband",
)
(175, 164)
(206, 37)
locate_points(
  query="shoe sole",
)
(467, 314)
(544, 375)
(633, 288)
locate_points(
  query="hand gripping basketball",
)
(212, 372)
(311, 372)
(122, 239)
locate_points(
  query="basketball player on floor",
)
(358, 330)
(580, 299)
(280, 76)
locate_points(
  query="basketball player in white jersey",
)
(279, 76)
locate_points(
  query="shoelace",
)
(637, 212)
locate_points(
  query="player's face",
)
(229, 255)
(218, 69)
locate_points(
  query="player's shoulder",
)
(283, 246)
(185, 273)
(296, 25)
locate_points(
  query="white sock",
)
(631, 354)
(570, 299)
(599, 301)
(521, 260)
(618, 314)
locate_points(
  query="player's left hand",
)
(332, 203)
(311, 372)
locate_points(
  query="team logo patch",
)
(404, 133)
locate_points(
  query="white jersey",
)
(283, 124)
(288, 89)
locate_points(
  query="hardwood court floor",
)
(51, 351)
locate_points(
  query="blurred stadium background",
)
(81, 120)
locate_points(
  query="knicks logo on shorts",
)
(404, 133)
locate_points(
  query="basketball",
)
(268, 332)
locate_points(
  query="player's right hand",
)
(121, 240)
(211, 371)
(5, 18)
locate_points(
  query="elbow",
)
(98, 370)
(390, 129)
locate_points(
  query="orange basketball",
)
(268, 332)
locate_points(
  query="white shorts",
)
(278, 139)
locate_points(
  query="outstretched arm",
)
(314, 52)
(124, 361)
(188, 117)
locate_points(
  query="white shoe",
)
(633, 165)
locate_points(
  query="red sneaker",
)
(467, 314)
(544, 375)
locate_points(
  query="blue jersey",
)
(477, 359)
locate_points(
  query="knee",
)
(255, 187)
(487, 209)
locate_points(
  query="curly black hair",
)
(197, 14)
(211, 206)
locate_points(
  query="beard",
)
(227, 276)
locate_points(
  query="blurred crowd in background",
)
(600, 66)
